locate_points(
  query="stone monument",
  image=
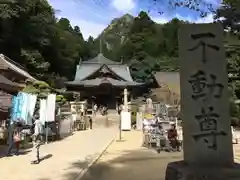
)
(149, 105)
(208, 150)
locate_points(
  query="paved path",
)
(123, 160)
(127, 160)
(236, 148)
(110, 119)
(69, 157)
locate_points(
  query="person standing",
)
(95, 110)
(82, 110)
(172, 137)
(90, 122)
(36, 139)
(161, 139)
(15, 138)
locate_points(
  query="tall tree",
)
(25, 27)
(31, 35)
(229, 15)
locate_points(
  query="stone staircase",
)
(112, 119)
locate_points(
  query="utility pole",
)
(120, 127)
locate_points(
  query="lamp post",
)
(120, 121)
(120, 127)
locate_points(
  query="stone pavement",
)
(65, 159)
(236, 148)
(127, 160)
(111, 119)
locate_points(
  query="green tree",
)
(228, 15)
(31, 35)
(170, 34)
(25, 28)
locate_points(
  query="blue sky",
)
(92, 16)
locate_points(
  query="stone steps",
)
(110, 119)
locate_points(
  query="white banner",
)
(42, 111)
(32, 99)
(125, 120)
(51, 105)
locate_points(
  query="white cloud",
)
(88, 28)
(123, 5)
(207, 19)
(162, 20)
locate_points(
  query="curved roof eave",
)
(100, 59)
(13, 66)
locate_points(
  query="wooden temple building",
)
(12, 80)
(14, 72)
(102, 81)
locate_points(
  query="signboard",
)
(204, 95)
(125, 121)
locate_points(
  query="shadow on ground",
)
(139, 164)
(48, 156)
(3, 152)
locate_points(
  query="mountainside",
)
(118, 30)
(140, 42)
(115, 34)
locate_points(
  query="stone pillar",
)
(125, 115)
(125, 101)
(149, 105)
(208, 149)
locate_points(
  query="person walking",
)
(36, 139)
